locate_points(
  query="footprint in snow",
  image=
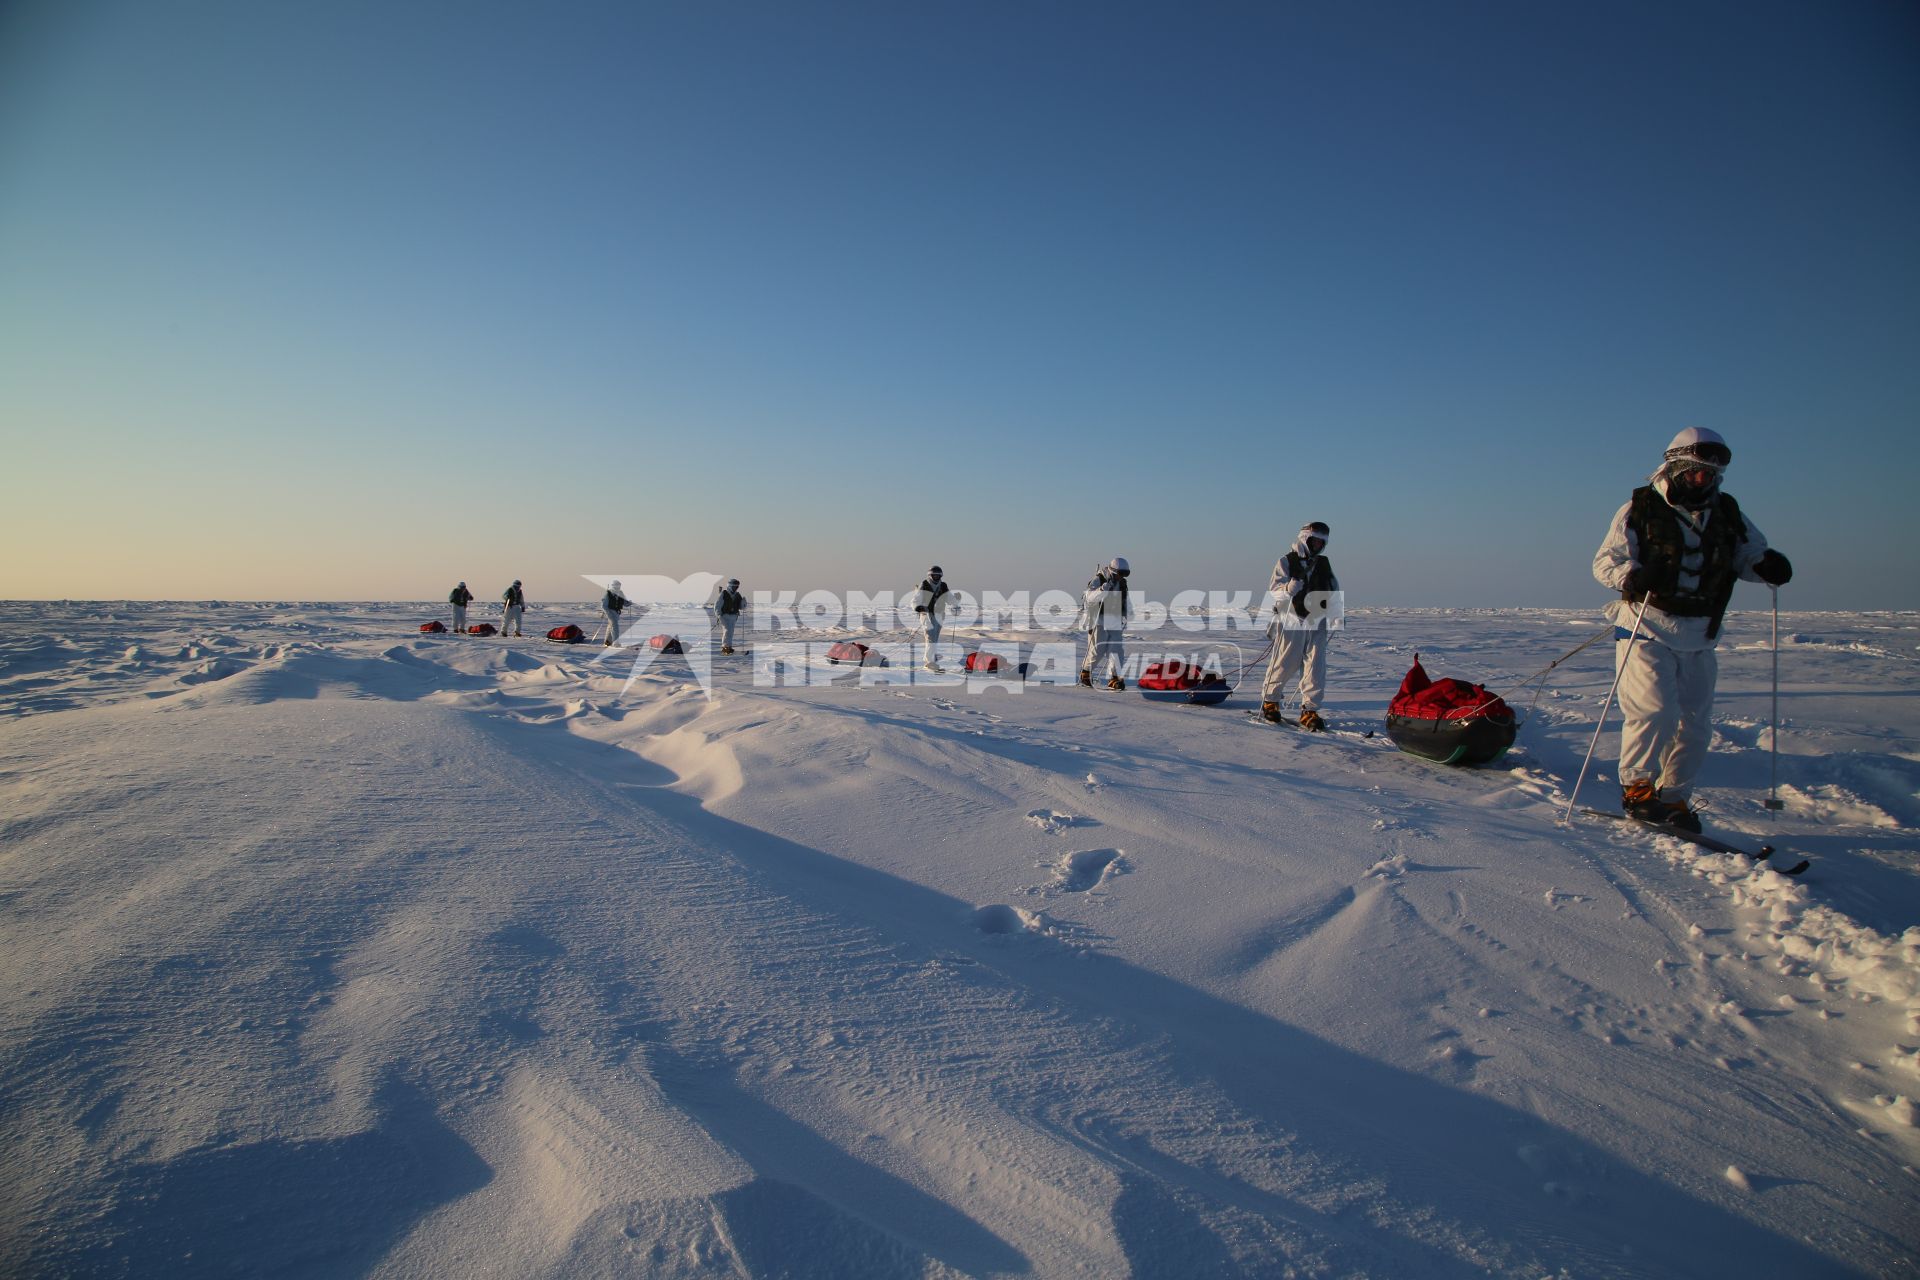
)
(1088, 869)
(1000, 919)
(1053, 822)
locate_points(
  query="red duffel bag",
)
(854, 653)
(1177, 681)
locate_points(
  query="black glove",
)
(1633, 587)
(1300, 605)
(1773, 569)
(919, 608)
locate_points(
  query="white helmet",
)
(1700, 445)
(1119, 565)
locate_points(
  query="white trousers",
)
(1666, 698)
(727, 621)
(613, 625)
(1103, 645)
(459, 617)
(929, 637)
(510, 618)
(1298, 653)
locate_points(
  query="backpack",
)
(568, 634)
(434, 627)
(666, 644)
(982, 662)
(481, 629)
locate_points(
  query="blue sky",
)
(351, 300)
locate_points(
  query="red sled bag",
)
(482, 629)
(1449, 721)
(568, 634)
(854, 653)
(983, 663)
(665, 644)
(433, 628)
(1176, 681)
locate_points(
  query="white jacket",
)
(1619, 553)
(1106, 604)
(926, 597)
(1283, 586)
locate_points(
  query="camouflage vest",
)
(1662, 544)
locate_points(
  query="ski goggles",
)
(1709, 453)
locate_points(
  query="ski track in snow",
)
(333, 948)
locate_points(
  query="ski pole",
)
(1605, 707)
(1773, 775)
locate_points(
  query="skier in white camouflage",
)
(513, 603)
(1675, 549)
(1104, 607)
(931, 600)
(460, 598)
(727, 604)
(612, 604)
(1303, 590)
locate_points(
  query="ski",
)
(1260, 722)
(1714, 843)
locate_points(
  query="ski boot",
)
(1116, 683)
(1643, 802)
(1681, 815)
(1270, 712)
(1310, 721)
(1086, 679)
(726, 650)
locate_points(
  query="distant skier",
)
(931, 600)
(1104, 609)
(1302, 587)
(726, 608)
(1678, 545)
(611, 604)
(460, 598)
(513, 603)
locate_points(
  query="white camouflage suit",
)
(1666, 679)
(726, 606)
(612, 614)
(1299, 645)
(1105, 605)
(930, 601)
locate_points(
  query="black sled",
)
(1449, 721)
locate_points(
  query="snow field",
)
(336, 948)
